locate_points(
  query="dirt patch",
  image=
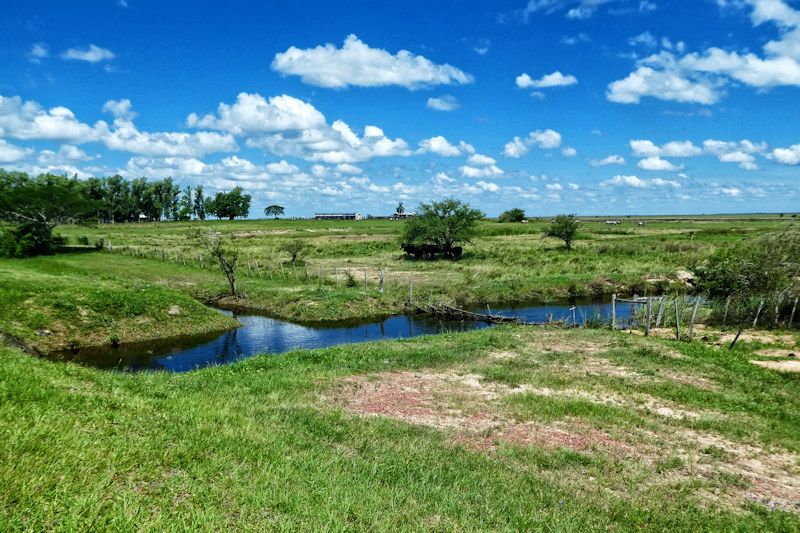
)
(771, 476)
(685, 379)
(469, 409)
(310, 230)
(782, 366)
(776, 352)
(260, 232)
(767, 337)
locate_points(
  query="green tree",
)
(224, 251)
(199, 208)
(294, 248)
(400, 209)
(186, 204)
(273, 210)
(512, 215)
(445, 223)
(232, 204)
(564, 227)
(34, 206)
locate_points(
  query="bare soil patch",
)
(471, 410)
(782, 366)
(260, 232)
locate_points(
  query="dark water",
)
(260, 334)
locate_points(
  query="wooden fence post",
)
(694, 312)
(249, 270)
(257, 269)
(295, 270)
(744, 323)
(633, 311)
(365, 279)
(613, 311)
(183, 258)
(109, 246)
(307, 277)
(163, 255)
(760, 305)
(176, 257)
(777, 311)
(320, 275)
(660, 309)
(677, 322)
(647, 324)
(269, 267)
(201, 259)
(380, 285)
(410, 293)
(282, 274)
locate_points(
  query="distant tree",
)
(445, 223)
(199, 208)
(273, 210)
(224, 251)
(512, 215)
(400, 209)
(293, 248)
(186, 204)
(168, 196)
(232, 204)
(34, 206)
(564, 227)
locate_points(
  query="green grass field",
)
(515, 428)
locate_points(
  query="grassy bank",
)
(80, 299)
(513, 428)
(504, 263)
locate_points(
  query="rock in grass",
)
(175, 310)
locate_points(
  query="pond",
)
(261, 334)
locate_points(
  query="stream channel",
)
(261, 334)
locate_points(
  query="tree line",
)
(116, 199)
(32, 206)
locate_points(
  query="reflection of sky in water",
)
(261, 334)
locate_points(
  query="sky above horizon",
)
(592, 107)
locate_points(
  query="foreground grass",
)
(319, 440)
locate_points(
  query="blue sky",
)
(594, 107)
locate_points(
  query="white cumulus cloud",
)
(90, 54)
(547, 139)
(10, 153)
(443, 103)
(610, 160)
(786, 156)
(356, 64)
(556, 79)
(656, 163)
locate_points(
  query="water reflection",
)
(260, 334)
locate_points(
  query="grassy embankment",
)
(504, 263)
(94, 297)
(513, 428)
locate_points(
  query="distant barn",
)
(337, 216)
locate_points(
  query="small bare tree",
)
(225, 253)
(293, 248)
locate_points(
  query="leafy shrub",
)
(512, 215)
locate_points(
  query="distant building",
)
(337, 216)
(403, 216)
